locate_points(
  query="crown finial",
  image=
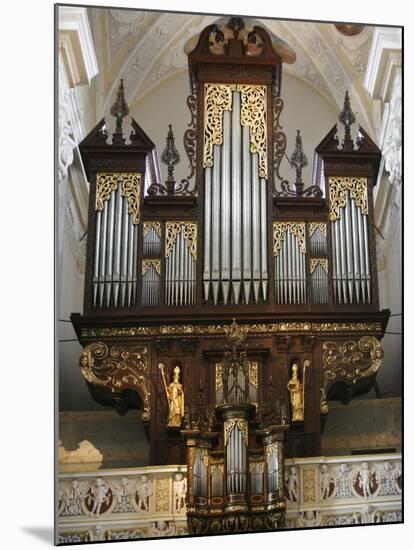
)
(119, 110)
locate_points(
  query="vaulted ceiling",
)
(145, 48)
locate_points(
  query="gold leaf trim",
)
(131, 190)
(229, 426)
(219, 375)
(253, 115)
(219, 330)
(338, 186)
(189, 230)
(349, 361)
(117, 368)
(217, 99)
(323, 262)
(279, 233)
(156, 226)
(146, 264)
(313, 226)
(269, 450)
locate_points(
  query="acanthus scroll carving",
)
(131, 190)
(349, 362)
(338, 186)
(117, 368)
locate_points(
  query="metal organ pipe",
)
(118, 237)
(225, 207)
(96, 261)
(215, 224)
(247, 214)
(109, 257)
(236, 196)
(235, 217)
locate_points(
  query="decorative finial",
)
(299, 161)
(170, 157)
(236, 24)
(119, 110)
(347, 117)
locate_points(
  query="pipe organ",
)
(171, 265)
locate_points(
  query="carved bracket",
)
(118, 368)
(348, 362)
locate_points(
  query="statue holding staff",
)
(297, 392)
(175, 398)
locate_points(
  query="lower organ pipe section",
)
(236, 460)
(115, 262)
(151, 274)
(350, 255)
(235, 218)
(290, 266)
(319, 280)
(180, 265)
(272, 471)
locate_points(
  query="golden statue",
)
(175, 398)
(297, 393)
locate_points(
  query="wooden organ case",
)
(170, 266)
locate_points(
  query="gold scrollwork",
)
(189, 231)
(351, 361)
(217, 99)
(131, 190)
(156, 226)
(313, 226)
(253, 115)
(229, 426)
(117, 368)
(323, 262)
(217, 330)
(279, 233)
(147, 263)
(219, 375)
(338, 186)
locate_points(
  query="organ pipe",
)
(180, 264)
(115, 256)
(235, 217)
(350, 250)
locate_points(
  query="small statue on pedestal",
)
(175, 397)
(297, 393)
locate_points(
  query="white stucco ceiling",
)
(147, 47)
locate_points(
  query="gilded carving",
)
(241, 423)
(338, 186)
(217, 99)
(351, 360)
(218, 330)
(297, 392)
(279, 233)
(131, 190)
(156, 226)
(253, 115)
(323, 262)
(313, 226)
(219, 375)
(117, 368)
(146, 264)
(189, 231)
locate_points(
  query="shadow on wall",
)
(91, 440)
